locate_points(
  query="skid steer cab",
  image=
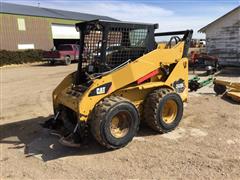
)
(123, 77)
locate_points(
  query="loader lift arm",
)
(187, 36)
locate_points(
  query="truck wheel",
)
(115, 122)
(51, 62)
(67, 60)
(219, 89)
(163, 110)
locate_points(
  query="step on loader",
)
(123, 77)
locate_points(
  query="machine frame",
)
(160, 73)
(147, 66)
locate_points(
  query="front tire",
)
(67, 60)
(115, 122)
(51, 62)
(163, 110)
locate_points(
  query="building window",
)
(25, 46)
(21, 24)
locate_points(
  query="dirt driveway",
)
(206, 145)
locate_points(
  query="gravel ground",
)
(206, 145)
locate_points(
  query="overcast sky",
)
(171, 15)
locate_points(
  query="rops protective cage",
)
(105, 45)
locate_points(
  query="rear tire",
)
(67, 60)
(114, 123)
(163, 110)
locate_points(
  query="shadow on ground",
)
(39, 142)
(229, 99)
(28, 136)
(46, 64)
(43, 64)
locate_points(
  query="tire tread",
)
(151, 108)
(98, 115)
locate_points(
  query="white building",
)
(223, 38)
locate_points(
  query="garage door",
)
(60, 31)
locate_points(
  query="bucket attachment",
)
(53, 123)
(71, 137)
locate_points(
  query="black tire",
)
(52, 62)
(154, 109)
(67, 60)
(219, 89)
(209, 72)
(102, 118)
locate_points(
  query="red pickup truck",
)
(65, 53)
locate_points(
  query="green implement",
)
(195, 83)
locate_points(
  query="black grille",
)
(125, 44)
(92, 45)
(108, 46)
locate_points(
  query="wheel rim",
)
(67, 60)
(119, 125)
(169, 112)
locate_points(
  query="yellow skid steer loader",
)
(123, 77)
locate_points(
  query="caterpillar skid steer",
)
(123, 77)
